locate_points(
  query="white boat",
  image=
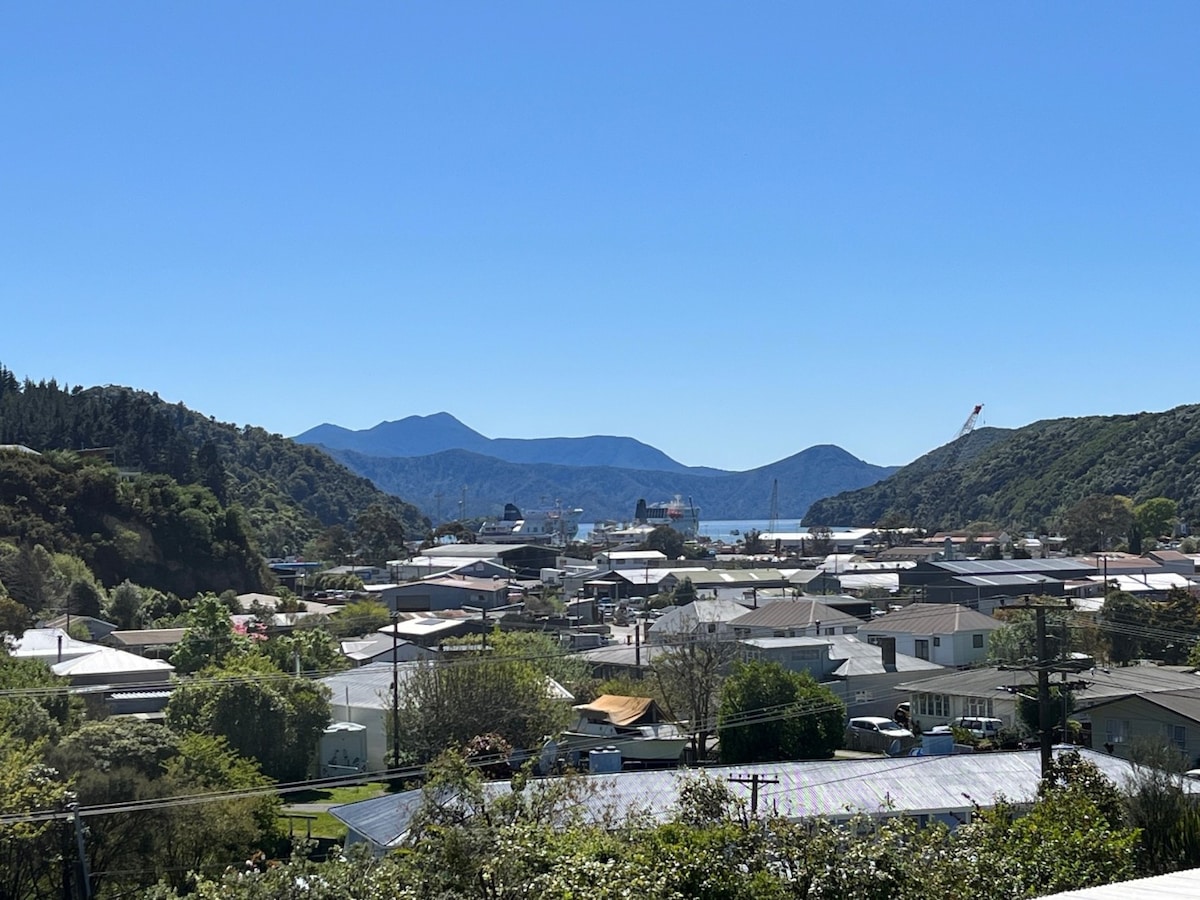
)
(555, 525)
(633, 725)
(683, 517)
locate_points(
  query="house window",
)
(979, 706)
(937, 641)
(875, 639)
(977, 641)
(936, 705)
(922, 651)
(1177, 735)
(1116, 731)
(831, 631)
(804, 654)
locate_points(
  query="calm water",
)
(727, 530)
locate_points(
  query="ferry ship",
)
(683, 517)
(555, 525)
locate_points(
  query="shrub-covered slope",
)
(149, 529)
(1024, 478)
(288, 491)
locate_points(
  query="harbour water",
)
(727, 530)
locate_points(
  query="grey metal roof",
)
(621, 654)
(703, 578)
(792, 613)
(1011, 566)
(1102, 684)
(686, 619)
(480, 551)
(933, 618)
(834, 789)
(369, 686)
(1185, 703)
(988, 681)
(1018, 580)
(858, 657)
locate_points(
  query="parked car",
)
(878, 734)
(979, 727)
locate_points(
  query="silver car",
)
(879, 735)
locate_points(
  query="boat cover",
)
(620, 710)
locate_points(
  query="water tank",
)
(343, 749)
(604, 762)
(937, 744)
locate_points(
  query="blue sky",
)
(730, 231)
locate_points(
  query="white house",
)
(700, 619)
(803, 617)
(943, 633)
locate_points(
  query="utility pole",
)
(395, 690)
(754, 780)
(1043, 666)
(1045, 738)
(85, 877)
(1066, 647)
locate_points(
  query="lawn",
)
(349, 794)
(323, 825)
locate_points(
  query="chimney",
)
(888, 647)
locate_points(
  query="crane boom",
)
(969, 425)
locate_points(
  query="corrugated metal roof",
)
(794, 613)
(369, 686)
(110, 661)
(621, 654)
(833, 789)
(1012, 566)
(1031, 581)
(1102, 684)
(933, 618)
(1181, 885)
(703, 578)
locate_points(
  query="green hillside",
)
(287, 492)
(1026, 477)
(150, 529)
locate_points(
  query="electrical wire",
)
(749, 718)
(766, 715)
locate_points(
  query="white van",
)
(979, 727)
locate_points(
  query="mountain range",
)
(429, 460)
(1025, 478)
(426, 435)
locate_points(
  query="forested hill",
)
(150, 529)
(289, 492)
(1024, 478)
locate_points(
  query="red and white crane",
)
(969, 425)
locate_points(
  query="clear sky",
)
(729, 230)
